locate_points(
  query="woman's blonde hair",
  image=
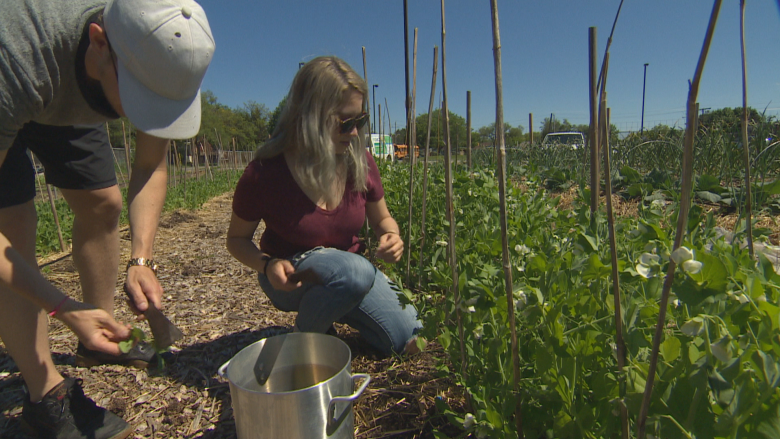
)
(309, 117)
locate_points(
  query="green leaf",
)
(670, 349)
(769, 427)
(445, 339)
(708, 196)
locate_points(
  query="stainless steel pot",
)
(293, 386)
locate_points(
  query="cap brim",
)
(154, 114)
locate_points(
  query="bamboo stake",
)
(38, 183)
(510, 303)
(195, 159)
(453, 259)
(116, 162)
(389, 123)
(56, 217)
(531, 128)
(413, 108)
(682, 216)
(183, 170)
(367, 103)
(468, 128)
(208, 165)
(425, 163)
(745, 146)
(412, 162)
(621, 348)
(593, 132)
(407, 102)
(127, 151)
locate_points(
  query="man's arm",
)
(145, 200)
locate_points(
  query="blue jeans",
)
(353, 292)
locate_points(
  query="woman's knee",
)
(345, 271)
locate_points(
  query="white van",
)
(572, 139)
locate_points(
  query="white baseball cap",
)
(163, 49)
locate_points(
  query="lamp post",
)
(644, 81)
(373, 89)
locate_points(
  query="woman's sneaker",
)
(66, 413)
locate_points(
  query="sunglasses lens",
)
(349, 124)
(361, 121)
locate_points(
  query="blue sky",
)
(544, 54)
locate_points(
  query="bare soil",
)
(217, 303)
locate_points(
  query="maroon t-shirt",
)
(293, 223)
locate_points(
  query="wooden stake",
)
(127, 151)
(412, 163)
(682, 217)
(593, 134)
(510, 302)
(425, 163)
(468, 129)
(745, 144)
(56, 217)
(530, 128)
(450, 210)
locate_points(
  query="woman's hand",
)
(391, 247)
(93, 326)
(277, 272)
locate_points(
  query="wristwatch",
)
(146, 262)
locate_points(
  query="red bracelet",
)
(57, 309)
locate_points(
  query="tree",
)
(276, 115)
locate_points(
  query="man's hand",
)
(142, 286)
(391, 247)
(277, 271)
(93, 326)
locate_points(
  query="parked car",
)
(571, 139)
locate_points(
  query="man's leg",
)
(96, 242)
(24, 326)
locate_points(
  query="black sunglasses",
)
(347, 125)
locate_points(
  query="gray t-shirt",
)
(39, 42)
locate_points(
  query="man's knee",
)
(99, 209)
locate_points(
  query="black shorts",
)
(73, 157)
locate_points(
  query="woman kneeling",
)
(313, 184)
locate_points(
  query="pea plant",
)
(717, 375)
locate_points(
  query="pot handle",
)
(222, 371)
(333, 421)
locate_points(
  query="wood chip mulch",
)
(217, 303)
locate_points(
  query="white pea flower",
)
(682, 254)
(479, 332)
(441, 243)
(460, 211)
(649, 259)
(721, 349)
(469, 420)
(692, 267)
(657, 204)
(471, 309)
(469, 192)
(693, 327)
(676, 303)
(522, 249)
(428, 297)
(645, 271)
